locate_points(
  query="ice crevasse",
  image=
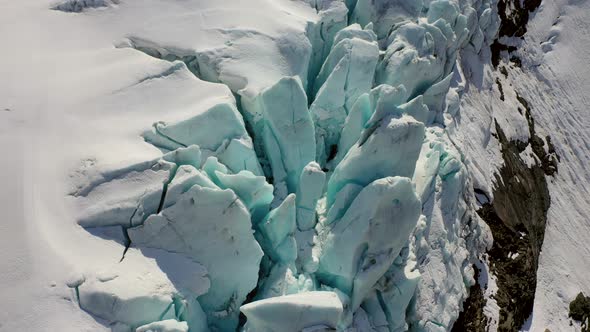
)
(329, 200)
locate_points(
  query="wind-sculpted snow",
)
(329, 197)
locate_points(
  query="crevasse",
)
(333, 199)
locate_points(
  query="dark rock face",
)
(580, 311)
(472, 318)
(518, 214)
(517, 219)
(516, 276)
(514, 16)
(521, 198)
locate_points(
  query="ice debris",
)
(292, 313)
(168, 325)
(356, 250)
(288, 132)
(152, 285)
(204, 218)
(346, 74)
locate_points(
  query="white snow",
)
(555, 82)
(73, 108)
(561, 108)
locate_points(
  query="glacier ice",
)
(346, 74)
(283, 279)
(356, 250)
(291, 313)
(212, 167)
(416, 58)
(205, 218)
(168, 325)
(391, 150)
(185, 178)
(230, 142)
(288, 130)
(385, 14)
(252, 190)
(311, 188)
(332, 19)
(115, 199)
(190, 155)
(138, 292)
(224, 117)
(328, 198)
(442, 180)
(353, 126)
(239, 155)
(278, 229)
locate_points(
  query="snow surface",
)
(565, 260)
(74, 108)
(104, 125)
(553, 79)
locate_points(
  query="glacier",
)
(344, 158)
(330, 198)
(323, 191)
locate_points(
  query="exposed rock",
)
(472, 318)
(580, 311)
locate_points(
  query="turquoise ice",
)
(330, 198)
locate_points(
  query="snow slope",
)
(74, 106)
(553, 79)
(565, 260)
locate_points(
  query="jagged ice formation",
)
(332, 198)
